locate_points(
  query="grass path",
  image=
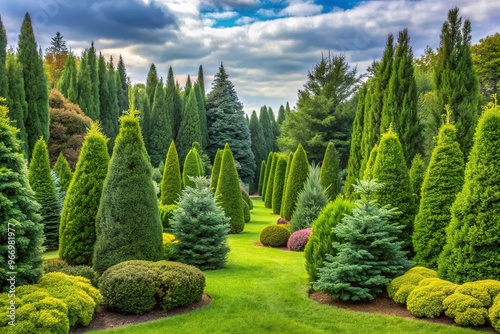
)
(264, 290)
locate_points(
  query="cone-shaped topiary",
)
(443, 180)
(473, 235)
(297, 176)
(268, 203)
(45, 193)
(261, 176)
(229, 193)
(77, 228)
(288, 164)
(269, 164)
(329, 177)
(19, 211)
(216, 169)
(279, 183)
(417, 171)
(191, 168)
(367, 175)
(390, 170)
(63, 172)
(171, 182)
(322, 235)
(128, 223)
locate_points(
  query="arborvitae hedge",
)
(171, 182)
(443, 180)
(269, 164)
(297, 176)
(329, 177)
(288, 165)
(63, 172)
(77, 228)
(128, 223)
(45, 193)
(216, 169)
(322, 235)
(19, 208)
(279, 183)
(270, 183)
(191, 168)
(367, 175)
(473, 235)
(229, 193)
(261, 176)
(390, 170)
(417, 171)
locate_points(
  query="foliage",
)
(494, 314)
(161, 127)
(57, 265)
(426, 300)
(268, 200)
(330, 168)
(258, 149)
(246, 198)
(190, 130)
(63, 172)
(191, 168)
(166, 212)
(400, 287)
(322, 235)
(297, 177)
(298, 240)
(67, 82)
(78, 216)
(216, 169)
(168, 241)
(275, 235)
(369, 255)
(171, 182)
(287, 172)
(110, 110)
(246, 212)
(85, 87)
(416, 173)
(487, 65)
(269, 164)
(267, 130)
(261, 176)
(279, 184)
(367, 175)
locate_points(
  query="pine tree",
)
(288, 165)
(259, 151)
(269, 163)
(189, 131)
(278, 184)
(19, 211)
(63, 172)
(35, 85)
(267, 128)
(417, 171)
(472, 236)
(229, 193)
(45, 193)
(368, 173)
(128, 223)
(191, 168)
(77, 227)
(443, 180)
(122, 85)
(171, 182)
(261, 176)
(67, 83)
(390, 170)
(201, 228)
(297, 176)
(369, 256)
(3, 60)
(268, 202)
(216, 170)
(330, 172)
(161, 129)
(174, 103)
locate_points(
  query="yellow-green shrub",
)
(275, 236)
(168, 241)
(426, 300)
(166, 212)
(494, 313)
(401, 286)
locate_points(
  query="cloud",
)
(245, 20)
(230, 4)
(301, 8)
(222, 15)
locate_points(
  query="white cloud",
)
(222, 15)
(244, 20)
(266, 12)
(301, 8)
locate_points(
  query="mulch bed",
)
(106, 319)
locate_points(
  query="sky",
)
(267, 46)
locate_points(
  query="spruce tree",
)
(330, 172)
(267, 128)
(368, 173)
(171, 182)
(269, 163)
(268, 202)
(78, 217)
(63, 172)
(279, 183)
(3, 60)
(390, 170)
(417, 171)
(189, 131)
(19, 211)
(288, 165)
(258, 149)
(128, 223)
(191, 168)
(67, 83)
(35, 85)
(161, 128)
(370, 254)
(261, 176)
(122, 85)
(216, 170)
(443, 180)
(229, 193)
(45, 193)
(297, 176)
(473, 235)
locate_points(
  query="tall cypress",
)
(110, 111)
(267, 128)
(417, 171)
(270, 182)
(259, 150)
(189, 131)
(329, 176)
(261, 176)
(105, 100)
(94, 81)
(122, 85)
(84, 87)
(383, 74)
(171, 182)
(216, 170)
(281, 115)
(278, 184)
(367, 174)
(161, 129)
(151, 83)
(3, 60)
(288, 165)
(174, 103)
(200, 98)
(67, 83)
(269, 163)
(187, 91)
(369, 127)
(35, 85)
(297, 176)
(201, 79)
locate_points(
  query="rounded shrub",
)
(274, 236)
(494, 314)
(246, 212)
(400, 287)
(166, 212)
(426, 300)
(57, 265)
(298, 240)
(282, 220)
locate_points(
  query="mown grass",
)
(49, 255)
(264, 290)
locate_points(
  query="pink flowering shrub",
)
(298, 240)
(282, 221)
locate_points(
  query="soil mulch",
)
(106, 319)
(384, 305)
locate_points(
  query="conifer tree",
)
(258, 149)
(19, 211)
(216, 170)
(390, 170)
(94, 81)
(151, 83)
(45, 193)
(122, 85)
(330, 172)
(105, 100)
(161, 129)
(171, 182)
(288, 165)
(261, 176)
(267, 128)
(35, 85)
(383, 75)
(417, 171)
(174, 103)
(63, 172)
(128, 223)
(443, 180)
(281, 115)
(110, 110)
(297, 176)
(278, 184)
(3, 60)
(229, 193)
(472, 237)
(67, 83)
(201, 79)
(187, 90)
(200, 98)
(84, 87)
(368, 173)
(77, 227)
(189, 131)
(191, 168)
(269, 163)
(368, 132)
(270, 182)
(274, 126)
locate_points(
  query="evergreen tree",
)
(174, 103)
(35, 85)
(3, 60)
(390, 170)
(187, 90)
(322, 235)
(417, 171)
(201, 228)
(267, 128)
(269, 163)
(472, 237)
(109, 107)
(330, 172)
(310, 201)
(67, 83)
(258, 149)
(151, 83)
(190, 130)
(201, 80)
(45, 193)
(216, 170)
(278, 184)
(226, 124)
(297, 176)
(122, 85)
(77, 227)
(367, 175)
(274, 126)
(268, 202)
(369, 256)
(288, 165)
(368, 132)
(63, 172)
(94, 80)
(55, 57)
(128, 223)
(171, 182)
(19, 211)
(191, 168)
(200, 98)
(455, 79)
(443, 180)
(161, 129)
(57, 44)
(229, 193)
(281, 115)
(84, 87)
(261, 176)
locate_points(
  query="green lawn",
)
(264, 290)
